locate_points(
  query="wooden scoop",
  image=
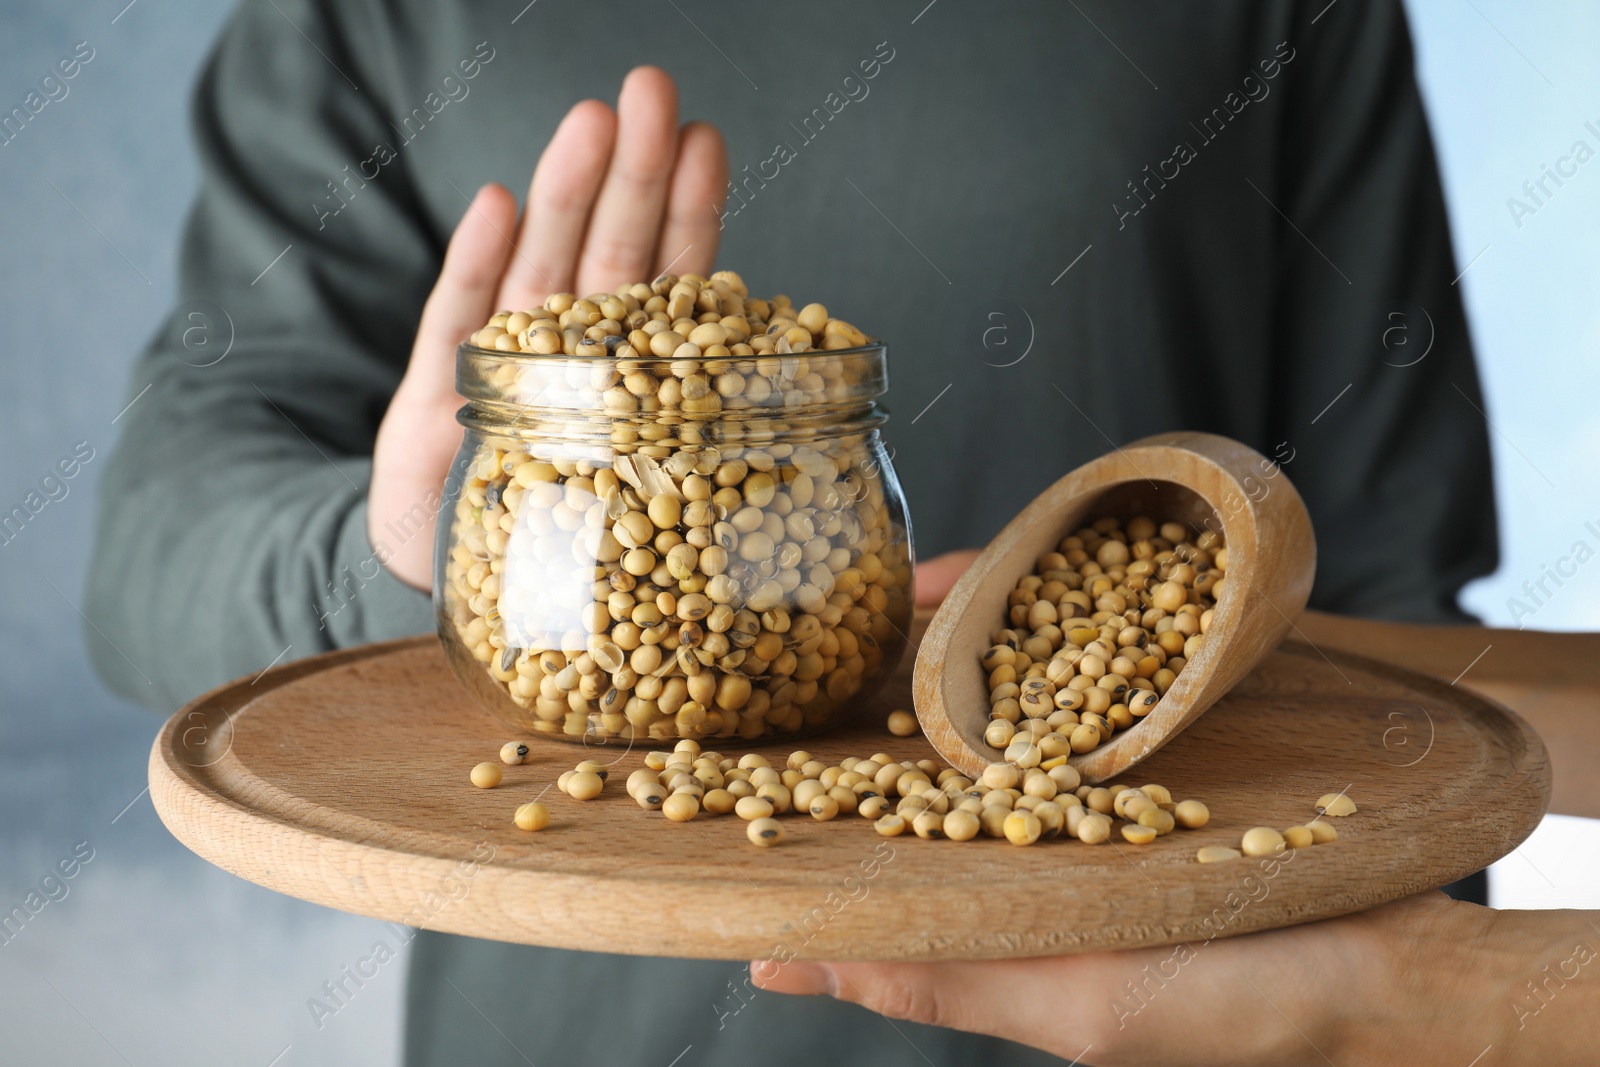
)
(1202, 479)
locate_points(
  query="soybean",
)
(1216, 854)
(1191, 814)
(961, 825)
(680, 807)
(532, 816)
(1156, 819)
(1094, 829)
(874, 807)
(752, 808)
(1262, 841)
(902, 723)
(585, 785)
(1022, 828)
(1335, 804)
(823, 808)
(928, 824)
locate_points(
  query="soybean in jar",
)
(651, 548)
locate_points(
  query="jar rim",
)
(468, 349)
(562, 386)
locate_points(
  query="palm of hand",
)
(615, 198)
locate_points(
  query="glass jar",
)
(653, 549)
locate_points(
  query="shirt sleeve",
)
(232, 526)
(1381, 414)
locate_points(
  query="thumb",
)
(1013, 999)
(972, 996)
(463, 297)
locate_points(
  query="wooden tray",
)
(342, 780)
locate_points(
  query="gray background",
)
(156, 957)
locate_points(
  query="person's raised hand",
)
(617, 197)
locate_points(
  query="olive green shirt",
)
(1075, 224)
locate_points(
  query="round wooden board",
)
(342, 780)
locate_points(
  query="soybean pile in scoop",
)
(1098, 633)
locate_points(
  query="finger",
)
(560, 198)
(797, 978)
(936, 577)
(626, 223)
(692, 228)
(463, 297)
(932, 993)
